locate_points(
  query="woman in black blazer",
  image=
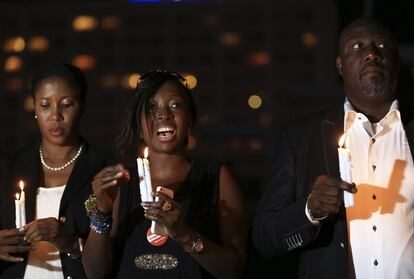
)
(57, 173)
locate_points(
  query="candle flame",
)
(146, 152)
(342, 140)
(17, 196)
(21, 185)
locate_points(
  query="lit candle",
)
(22, 203)
(142, 182)
(344, 155)
(17, 211)
(147, 175)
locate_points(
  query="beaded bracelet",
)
(99, 226)
(100, 223)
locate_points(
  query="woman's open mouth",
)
(165, 133)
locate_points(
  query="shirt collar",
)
(351, 114)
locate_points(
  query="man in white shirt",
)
(301, 213)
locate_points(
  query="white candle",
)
(147, 175)
(22, 203)
(142, 182)
(344, 155)
(17, 211)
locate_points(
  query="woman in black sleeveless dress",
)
(205, 222)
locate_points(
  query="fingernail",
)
(114, 182)
(21, 229)
(24, 238)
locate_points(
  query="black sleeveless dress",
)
(135, 257)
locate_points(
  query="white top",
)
(44, 262)
(381, 224)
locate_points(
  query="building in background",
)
(252, 65)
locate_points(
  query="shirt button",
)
(342, 245)
(374, 167)
(373, 140)
(374, 228)
(62, 219)
(374, 197)
(375, 262)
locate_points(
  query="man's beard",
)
(376, 89)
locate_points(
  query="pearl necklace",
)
(70, 162)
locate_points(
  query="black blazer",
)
(26, 166)
(306, 149)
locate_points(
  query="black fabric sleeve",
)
(280, 223)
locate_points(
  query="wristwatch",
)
(317, 219)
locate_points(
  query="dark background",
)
(283, 51)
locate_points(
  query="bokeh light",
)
(256, 144)
(255, 101)
(130, 81)
(309, 39)
(230, 39)
(15, 44)
(29, 104)
(85, 62)
(190, 80)
(13, 64)
(109, 81)
(260, 58)
(84, 23)
(110, 22)
(38, 44)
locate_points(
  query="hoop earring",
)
(35, 116)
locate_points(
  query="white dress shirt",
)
(381, 224)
